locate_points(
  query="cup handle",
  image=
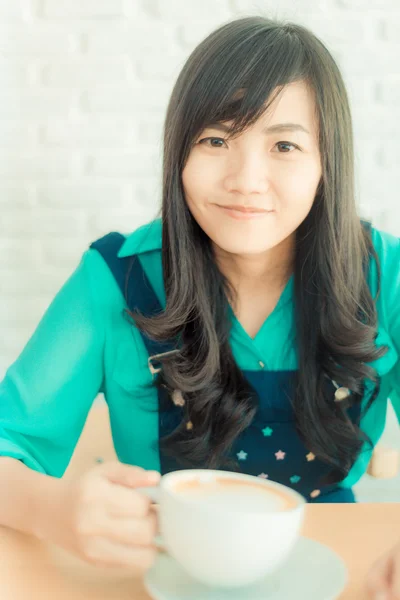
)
(153, 493)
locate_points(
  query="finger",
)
(133, 532)
(123, 502)
(379, 577)
(107, 553)
(129, 475)
(154, 509)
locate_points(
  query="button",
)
(341, 393)
(260, 362)
(315, 493)
(177, 398)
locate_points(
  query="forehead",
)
(294, 100)
(293, 103)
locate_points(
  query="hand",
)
(103, 520)
(383, 581)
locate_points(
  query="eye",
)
(209, 139)
(287, 144)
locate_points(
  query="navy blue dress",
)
(270, 447)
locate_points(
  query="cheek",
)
(297, 193)
(198, 189)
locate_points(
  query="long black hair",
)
(335, 315)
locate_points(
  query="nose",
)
(248, 175)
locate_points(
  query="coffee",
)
(227, 529)
(234, 493)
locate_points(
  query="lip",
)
(240, 212)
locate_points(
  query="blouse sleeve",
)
(47, 392)
(393, 312)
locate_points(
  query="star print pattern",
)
(280, 455)
(270, 445)
(267, 431)
(270, 449)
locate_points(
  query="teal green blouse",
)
(83, 346)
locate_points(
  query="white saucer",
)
(311, 571)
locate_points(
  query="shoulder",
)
(102, 264)
(387, 247)
(146, 238)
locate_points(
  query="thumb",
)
(129, 475)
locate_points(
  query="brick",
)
(129, 164)
(66, 255)
(143, 193)
(39, 164)
(15, 311)
(150, 130)
(15, 40)
(86, 72)
(80, 195)
(391, 29)
(92, 131)
(19, 282)
(129, 98)
(18, 134)
(376, 123)
(131, 37)
(18, 196)
(389, 155)
(377, 185)
(13, 254)
(36, 103)
(13, 74)
(125, 221)
(386, 6)
(273, 9)
(18, 316)
(81, 9)
(157, 67)
(366, 60)
(176, 11)
(389, 91)
(37, 224)
(361, 91)
(350, 27)
(17, 10)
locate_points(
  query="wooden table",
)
(31, 569)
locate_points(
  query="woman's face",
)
(275, 171)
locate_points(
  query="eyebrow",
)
(271, 129)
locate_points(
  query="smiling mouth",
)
(246, 209)
(244, 215)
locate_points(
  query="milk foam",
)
(237, 496)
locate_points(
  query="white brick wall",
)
(85, 84)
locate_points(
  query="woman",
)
(261, 329)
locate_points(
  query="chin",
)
(242, 247)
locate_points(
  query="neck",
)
(271, 269)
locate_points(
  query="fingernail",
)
(153, 474)
(381, 596)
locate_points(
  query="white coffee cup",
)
(226, 529)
